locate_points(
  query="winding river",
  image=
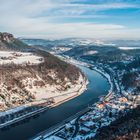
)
(98, 85)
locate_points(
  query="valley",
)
(38, 92)
(70, 70)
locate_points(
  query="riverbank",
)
(76, 91)
(95, 68)
(46, 103)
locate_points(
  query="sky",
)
(55, 19)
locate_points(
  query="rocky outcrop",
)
(6, 37)
(9, 42)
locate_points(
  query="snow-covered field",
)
(8, 57)
(129, 48)
(16, 109)
(91, 53)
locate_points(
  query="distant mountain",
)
(73, 42)
(66, 45)
(127, 43)
(83, 47)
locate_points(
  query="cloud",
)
(47, 18)
(44, 29)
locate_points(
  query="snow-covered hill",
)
(34, 76)
(73, 42)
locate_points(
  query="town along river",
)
(98, 85)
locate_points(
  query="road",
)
(61, 125)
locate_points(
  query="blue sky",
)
(106, 19)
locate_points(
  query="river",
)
(98, 85)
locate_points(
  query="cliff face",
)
(30, 76)
(6, 37)
(9, 42)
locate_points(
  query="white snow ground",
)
(8, 57)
